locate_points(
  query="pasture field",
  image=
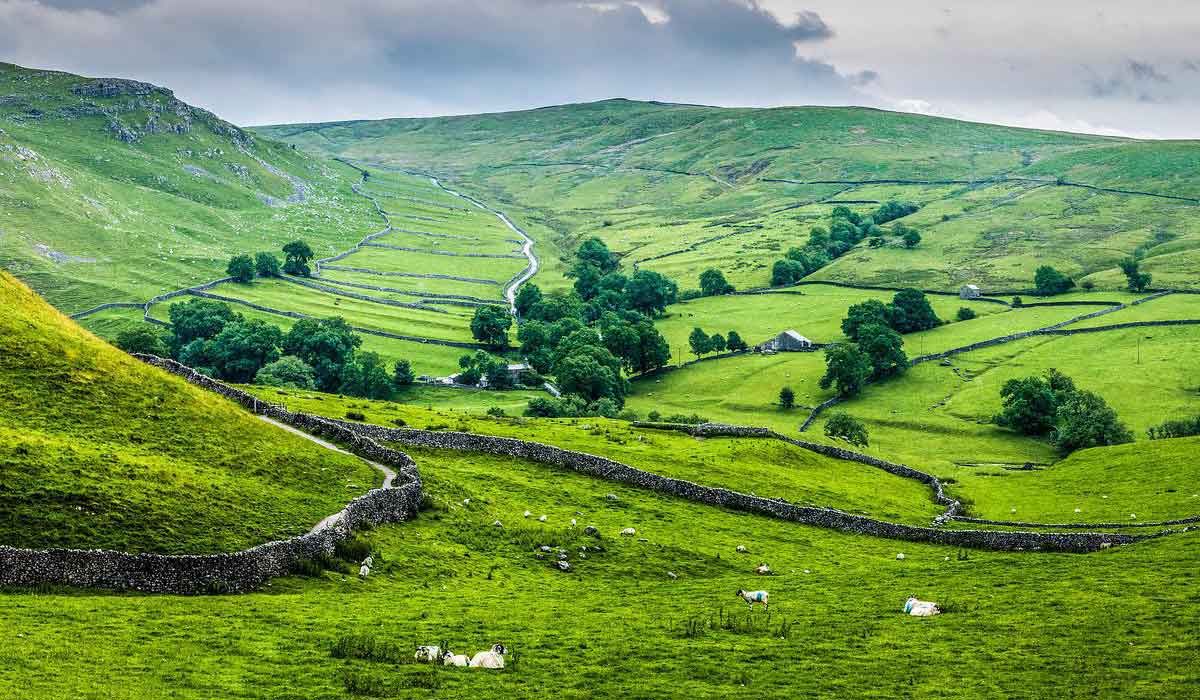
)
(497, 270)
(1101, 625)
(99, 450)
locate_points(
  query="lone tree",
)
(1085, 420)
(1137, 280)
(845, 427)
(787, 398)
(403, 374)
(490, 325)
(1049, 281)
(698, 341)
(847, 368)
(241, 269)
(965, 314)
(911, 237)
(298, 254)
(266, 265)
(713, 283)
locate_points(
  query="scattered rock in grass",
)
(591, 530)
(643, 539)
(763, 570)
(545, 548)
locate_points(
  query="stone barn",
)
(788, 341)
(969, 291)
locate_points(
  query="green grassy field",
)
(99, 450)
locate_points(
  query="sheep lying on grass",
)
(752, 597)
(452, 659)
(629, 532)
(494, 658)
(763, 570)
(921, 608)
(428, 653)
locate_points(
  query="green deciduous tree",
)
(241, 269)
(594, 252)
(910, 311)
(1029, 406)
(911, 237)
(145, 339)
(885, 348)
(1086, 420)
(713, 283)
(649, 292)
(871, 311)
(842, 426)
(366, 376)
(734, 342)
(698, 342)
(965, 314)
(527, 297)
(787, 398)
(297, 253)
(244, 347)
(288, 371)
(198, 318)
(325, 345)
(402, 374)
(846, 368)
(490, 325)
(1135, 278)
(1049, 281)
(266, 265)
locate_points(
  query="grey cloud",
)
(1135, 79)
(259, 61)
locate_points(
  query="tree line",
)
(847, 229)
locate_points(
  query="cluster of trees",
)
(712, 284)
(846, 230)
(243, 268)
(485, 368)
(876, 350)
(702, 343)
(1052, 407)
(590, 337)
(314, 354)
(1186, 427)
(1048, 281)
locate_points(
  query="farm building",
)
(787, 341)
(969, 291)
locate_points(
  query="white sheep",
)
(740, 549)
(363, 571)
(527, 514)
(921, 608)
(428, 653)
(763, 569)
(752, 597)
(900, 556)
(629, 532)
(452, 659)
(493, 658)
(542, 519)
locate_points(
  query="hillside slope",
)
(114, 191)
(682, 188)
(100, 450)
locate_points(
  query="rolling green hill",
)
(683, 188)
(100, 450)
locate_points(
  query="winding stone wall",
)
(777, 508)
(237, 571)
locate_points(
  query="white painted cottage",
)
(788, 341)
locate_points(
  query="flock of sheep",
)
(492, 658)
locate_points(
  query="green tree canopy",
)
(1135, 278)
(885, 348)
(490, 325)
(402, 374)
(244, 347)
(1049, 281)
(846, 368)
(787, 397)
(366, 376)
(266, 265)
(241, 269)
(144, 339)
(910, 311)
(1086, 420)
(842, 426)
(288, 371)
(862, 314)
(713, 283)
(527, 297)
(198, 318)
(325, 345)
(594, 252)
(734, 342)
(698, 341)
(298, 254)
(649, 292)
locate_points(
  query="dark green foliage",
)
(698, 341)
(885, 348)
(587, 281)
(787, 397)
(288, 371)
(143, 339)
(890, 211)
(556, 306)
(355, 415)
(716, 342)
(485, 368)
(847, 368)
(785, 272)
(266, 265)
(693, 419)
(490, 325)
(1134, 277)
(633, 338)
(594, 252)
(1017, 302)
(910, 311)
(325, 345)
(571, 407)
(1087, 285)
(843, 426)
(734, 342)
(650, 292)
(402, 374)
(242, 348)
(298, 254)
(496, 412)
(198, 318)
(871, 311)
(592, 372)
(367, 376)
(911, 237)
(713, 283)
(241, 269)
(1086, 420)
(1029, 406)
(1186, 427)
(352, 550)
(527, 297)
(1049, 281)
(965, 314)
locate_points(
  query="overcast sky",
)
(1126, 68)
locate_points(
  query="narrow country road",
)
(388, 474)
(510, 290)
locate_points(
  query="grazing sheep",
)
(489, 659)
(763, 570)
(497, 524)
(363, 571)
(629, 532)
(563, 565)
(527, 514)
(900, 556)
(452, 659)
(1105, 545)
(752, 597)
(573, 522)
(921, 608)
(428, 653)
(671, 575)
(740, 549)
(542, 519)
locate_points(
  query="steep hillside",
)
(100, 450)
(114, 190)
(681, 188)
